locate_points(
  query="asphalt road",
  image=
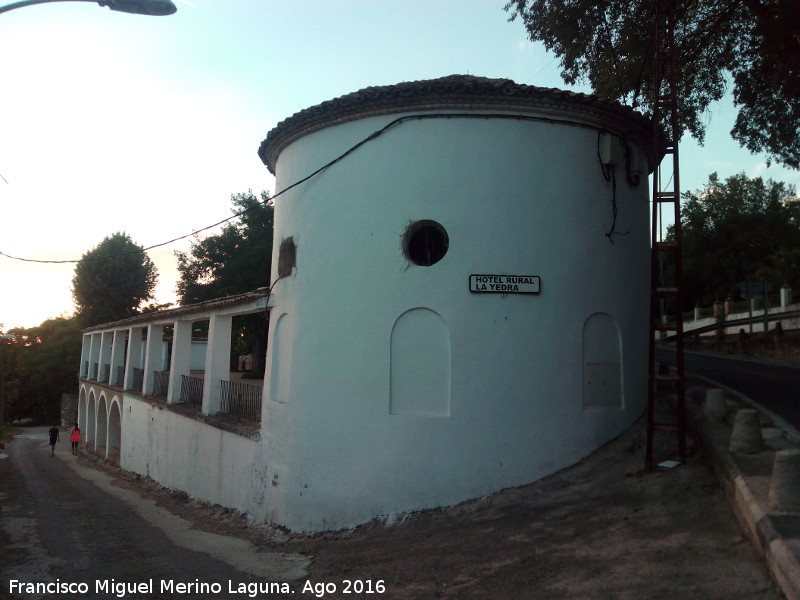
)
(775, 387)
(64, 523)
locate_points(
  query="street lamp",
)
(153, 8)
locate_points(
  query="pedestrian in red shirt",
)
(75, 438)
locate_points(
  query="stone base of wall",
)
(69, 410)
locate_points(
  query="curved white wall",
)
(515, 197)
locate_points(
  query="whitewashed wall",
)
(186, 454)
(515, 197)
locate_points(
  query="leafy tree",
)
(752, 44)
(40, 365)
(113, 280)
(784, 268)
(234, 261)
(731, 230)
(8, 362)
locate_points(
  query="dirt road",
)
(64, 522)
(603, 529)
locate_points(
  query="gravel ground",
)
(604, 528)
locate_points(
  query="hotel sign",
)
(505, 284)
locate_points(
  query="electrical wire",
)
(610, 176)
(374, 135)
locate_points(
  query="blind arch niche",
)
(420, 365)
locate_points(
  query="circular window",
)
(425, 243)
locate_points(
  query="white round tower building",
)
(464, 304)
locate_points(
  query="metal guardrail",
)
(192, 390)
(242, 400)
(777, 316)
(160, 383)
(138, 380)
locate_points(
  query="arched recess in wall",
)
(280, 373)
(420, 365)
(602, 363)
(114, 431)
(91, 417)
(102, 425)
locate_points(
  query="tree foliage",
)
(752, 44)
(738, 230)
(113, 280)
(38, 366)
(234, 261)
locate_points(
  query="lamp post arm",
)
(24, 3)
(154, 8)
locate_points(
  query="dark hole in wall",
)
(287, 257)
(425, 243)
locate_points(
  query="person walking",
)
(53, 439)
(75, 438)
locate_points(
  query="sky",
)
(114, 122)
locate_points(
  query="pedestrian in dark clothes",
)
(53, 439)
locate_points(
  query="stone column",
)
(134, 356)
(786, 296)
(117, 356)
(152, 356)
(181, 359)
(94, 356)
(107, 340)
(218, 357)
(86, 349)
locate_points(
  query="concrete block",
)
(715, 408)
(746, 436)
(784, 487)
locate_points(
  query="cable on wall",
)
(373, 136)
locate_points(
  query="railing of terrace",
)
(160, 383)
(106, 375)
(120, 380)
(93, 372)
(138, 380)
(192, 390)
(241, 399)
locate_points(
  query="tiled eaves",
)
(188, 310)
(457, 92)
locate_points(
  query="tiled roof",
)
(454, 92)
(183, 311)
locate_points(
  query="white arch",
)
(80, 417)
(114, 430)
(420, 364)
(102, 424)
(91, 417)
(602, 362)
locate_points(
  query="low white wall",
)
(758, 321)
(185, 454)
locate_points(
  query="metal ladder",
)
(666, 299)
